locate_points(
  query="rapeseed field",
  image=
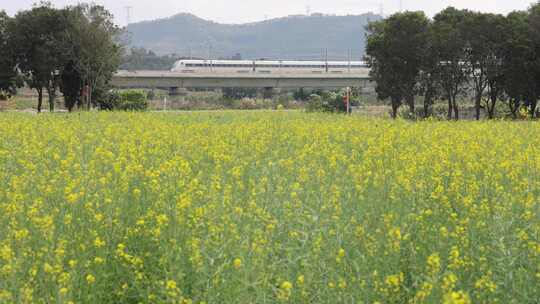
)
(267, 207)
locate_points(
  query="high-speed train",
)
(268, 66)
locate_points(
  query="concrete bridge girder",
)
(237, 83)
(172, 80)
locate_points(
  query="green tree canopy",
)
(8, 73)
(38, 37)
(450, 42)
(96, 48)
(485, 35)
(394, 52)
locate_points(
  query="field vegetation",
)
(267, 207)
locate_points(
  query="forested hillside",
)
(293, 37)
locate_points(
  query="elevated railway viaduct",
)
(173, 81)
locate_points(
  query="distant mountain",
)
(293, 37)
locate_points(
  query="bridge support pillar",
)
(173, 91)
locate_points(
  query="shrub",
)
(110, 101)
(314, 103)
(133, 100)
(333, 102)
(130, 100)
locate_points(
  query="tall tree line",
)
(74, 50)
(458, 54)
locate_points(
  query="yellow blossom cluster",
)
(267, 207)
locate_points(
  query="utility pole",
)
(210, 56)
(348, 100)
(401, 6)
(326, 59)
(349, 60)
(128, 14)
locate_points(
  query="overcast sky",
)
(240, 11)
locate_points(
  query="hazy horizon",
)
(242, 11)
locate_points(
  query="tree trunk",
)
(514, 104)
(395, 106)
(456, 109)
(52, 96)
(394, 111)
(40, 99)
(534, 104)
(410, 102)
(491, 107)
(449, 108)
(89, 97)
(427, 104)
(477, 105)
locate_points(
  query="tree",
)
(450, 42)
(428, 79)
(518, 61)
(484, 35)
(142, 59)
(71, 86)
(394, 52)
(96, 48)
(382, 71)
(38, 45)
(8, 74)
(534, 59)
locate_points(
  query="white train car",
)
(268, 66)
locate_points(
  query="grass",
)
(267, 207)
